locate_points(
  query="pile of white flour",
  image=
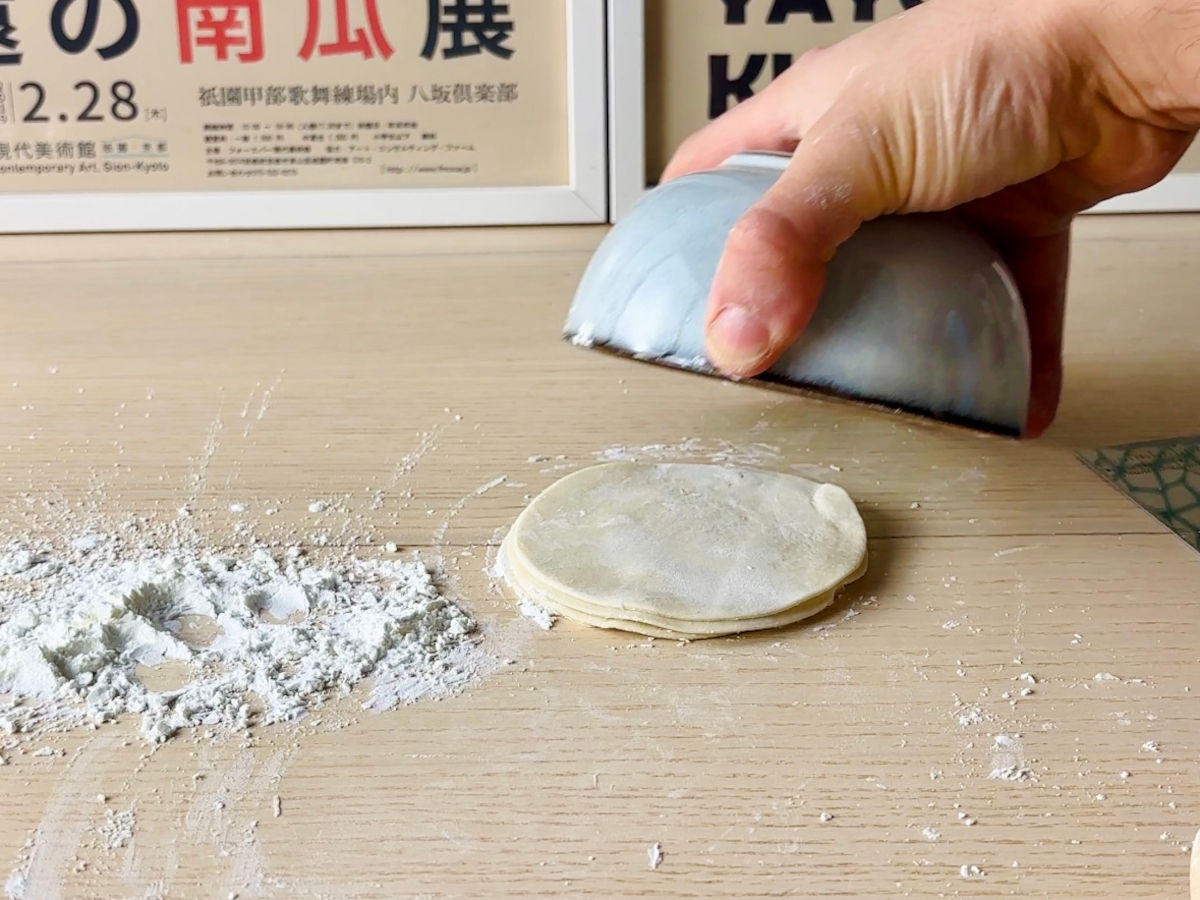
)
(79, 622)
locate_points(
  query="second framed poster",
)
(701, 57)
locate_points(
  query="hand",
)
(1018, 115)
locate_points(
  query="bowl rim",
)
(759, 159)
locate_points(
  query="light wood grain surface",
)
(126, 364)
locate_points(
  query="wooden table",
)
(135, 368)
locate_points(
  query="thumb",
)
(773, 269)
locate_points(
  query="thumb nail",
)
(738, 340)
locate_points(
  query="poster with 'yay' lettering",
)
(696, 59)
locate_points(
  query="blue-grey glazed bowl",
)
(918, 313)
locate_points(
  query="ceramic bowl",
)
(918, 312)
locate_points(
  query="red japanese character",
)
(344, 43)
(223, 25)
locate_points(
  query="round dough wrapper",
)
(527, 585)
(681, 631)
(679, 546)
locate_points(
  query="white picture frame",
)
(626, 105)
(628, 174)
(584, 200)
(1178, 192)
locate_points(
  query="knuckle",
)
(764, 230)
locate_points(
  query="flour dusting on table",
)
(721, 451)
(540, 617)
(118, 828)
(654, 854)
(81, 622)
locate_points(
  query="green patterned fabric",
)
(1163, 477)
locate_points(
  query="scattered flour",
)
(78, 623)
(694, 448)
(537, 615)
(585, 336)
(1012, 773)
(1008, 760)
(118, 828)
(16, 886)
(970, 716)
(655, 855)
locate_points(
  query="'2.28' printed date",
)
(91, 103)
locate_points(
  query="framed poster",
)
(234, 114)
(701, 57)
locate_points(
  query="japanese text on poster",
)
(129, 95)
